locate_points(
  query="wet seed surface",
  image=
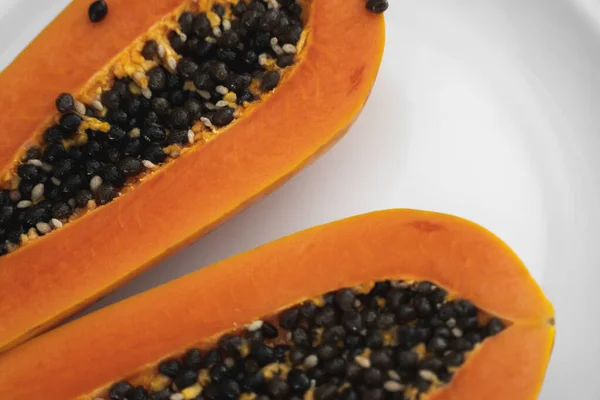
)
(210, 66)
(97, 11)
(377, 6)
(395, 340)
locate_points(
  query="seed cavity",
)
(80, 108)
(194, 81)
(331, 347)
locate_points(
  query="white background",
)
(487, 109)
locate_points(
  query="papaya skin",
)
(126, 340)
(55, 276)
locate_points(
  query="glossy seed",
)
(289, 48)
(43, 228)
(377, 6)
(157, 79)
(187, 68)
(186, 21)
(204, 94)
(105, 193)
(364, 362)
(179, 118)
(192, 359)
(154, 153)
(494, 327)
(172, 63)
(263, 59)
(223, 116)
(453, 359)
(95, 183)
(222, 90)
(150, 49)
(393, 386)
(24, 204)
(311, 361)
(270, 80)
(130, 166)
(97, 11)
(148, 164)
(427, 375)
(256, 325)
(285, 60)
(153, 133)
(186, 378)
(97, 105)
(65, 103)
(37, 192)
(82, 198)
(438, 345)
(69, 123)
(61, 210)
(120, 390)
(161, 51)
(27, 172)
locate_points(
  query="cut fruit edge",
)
(451, 252)
(75, 282)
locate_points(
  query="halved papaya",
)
(396, 304)
(182, 112)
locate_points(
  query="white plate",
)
(487, 109)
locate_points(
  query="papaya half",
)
(134, 127)
(395, 304)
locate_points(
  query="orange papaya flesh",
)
(95, 194)
(376, 306)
